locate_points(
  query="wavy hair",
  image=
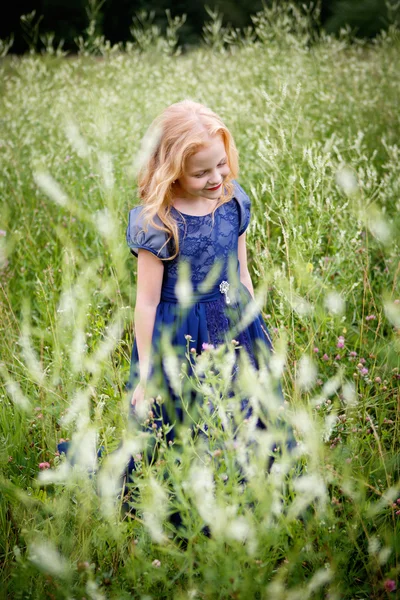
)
(180, 131)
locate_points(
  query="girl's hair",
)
(175, 135)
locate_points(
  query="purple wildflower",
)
(206, 346)
(340, 342)
(390, 585)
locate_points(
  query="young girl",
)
(193, 212)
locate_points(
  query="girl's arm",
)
(148, 291)
(244, 271)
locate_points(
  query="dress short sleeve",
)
(149, 238)
(244, 207)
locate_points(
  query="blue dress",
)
(217, 300)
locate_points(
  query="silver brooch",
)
(224, 288)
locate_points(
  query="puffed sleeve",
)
(243, 202)
(154, 240)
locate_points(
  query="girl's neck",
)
(198, 207)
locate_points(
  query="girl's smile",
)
(214, 188)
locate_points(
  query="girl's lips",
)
(214, 188)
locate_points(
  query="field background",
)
(317, 128)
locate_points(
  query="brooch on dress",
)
(224, 288)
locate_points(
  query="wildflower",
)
(364, 371)
(338, 357)
(325, 357)
(378, 380)
(315, 350)
(362, 361)
(390, 585)
(44, 465)
(188, 337)
(340, 342)
(352, 354)
(3, 233)
(370, 318)
(193, 350)
(156, 563)
(235, 343)
(206, 346)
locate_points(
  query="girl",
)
(193, 213)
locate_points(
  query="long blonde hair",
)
(175, 135)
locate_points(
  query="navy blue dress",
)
(210, 310)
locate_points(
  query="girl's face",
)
(204, 170)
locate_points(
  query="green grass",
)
(300, 117)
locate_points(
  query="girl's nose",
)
(214, 178)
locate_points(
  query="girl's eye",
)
(202, 174)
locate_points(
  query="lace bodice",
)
(203, 240)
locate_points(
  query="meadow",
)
(317, 128)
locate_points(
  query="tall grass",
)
(317, 129)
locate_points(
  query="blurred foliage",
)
(365, 17)
(66, 21)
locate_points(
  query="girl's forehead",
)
(214, 150)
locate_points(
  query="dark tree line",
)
(68, 19)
